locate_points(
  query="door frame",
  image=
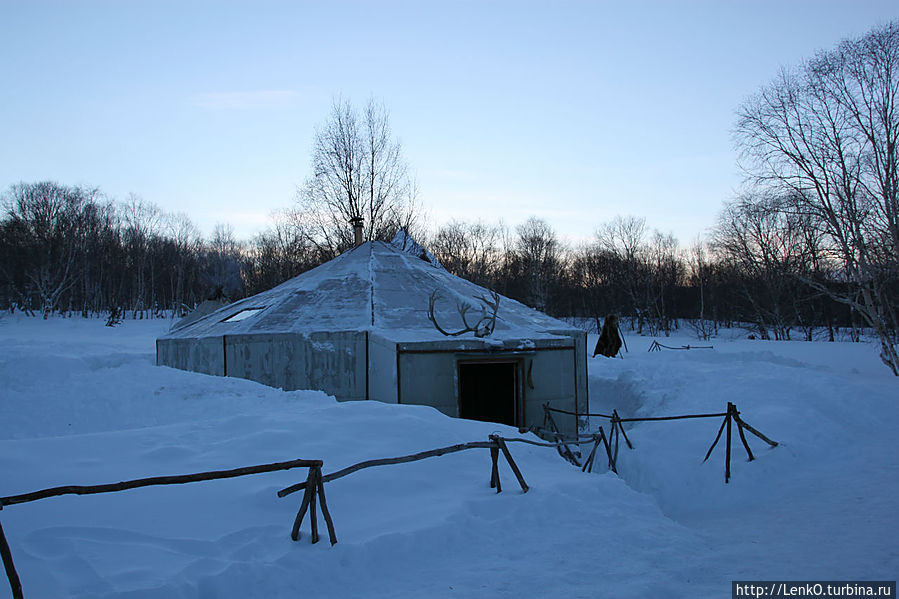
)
(518, 403)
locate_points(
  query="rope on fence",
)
(730, 416)
(569, 440)
(388, 461)
(157, 480)
(600, 436)
(563, 449)
(314, 475)
(579, 414)
(613, 415)
(656, 346)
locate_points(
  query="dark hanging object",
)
(609, 341)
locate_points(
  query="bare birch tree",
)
(826, 135)
(358, 171)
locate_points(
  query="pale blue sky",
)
(571, 111)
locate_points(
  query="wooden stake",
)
(588, 465)
(14, 583)
(727, 419)
(717, 437)
(313, 520)
(502, 446)
(494, 474)
(615, 434)
(617, 420)
(563, 449)
(612, 465)
(757, 434)
(743, 437)
(325, 513)
(304, 505)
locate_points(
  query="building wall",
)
(550, 376)
(547, 375)
(429, 379)
(331, 362)
(381, 369)
(274, 360)
(356, 365)
(582, 387)
(199, 355)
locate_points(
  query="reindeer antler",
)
(482, 328)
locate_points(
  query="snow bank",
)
(84, 404)
(822, 504)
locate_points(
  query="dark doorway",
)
(487, 391)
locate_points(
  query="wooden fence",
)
(731, 416)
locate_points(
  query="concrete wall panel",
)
(332, 362)
(199, 355)
(382, 369)
(430, 380)
(552, 374)
(268, 359)
(335, 363)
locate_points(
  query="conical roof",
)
(374, 287)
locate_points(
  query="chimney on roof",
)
(357, 222)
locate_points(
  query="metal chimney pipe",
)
(357, 223)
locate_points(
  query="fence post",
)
(742, 436)
(725, 423)
(14, 583)
(727, 420)
(494, 472)
(566, 452)
(332, 536)
(305, 504)
(502, 447)
(616, 421)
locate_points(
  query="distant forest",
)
(69, 250)
(812, 244)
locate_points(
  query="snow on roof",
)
(374, 287)
(403, 241)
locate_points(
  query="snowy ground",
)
(83, 404)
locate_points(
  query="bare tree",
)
(186, 242)
(700, 274)
(281, 252)
(142, 225)
(222, 264)
(625, 238)
(665, 271)
(768, 246)
(539, 258)
(358, 171)
(46, 220)
(471, 250)
(826, 135)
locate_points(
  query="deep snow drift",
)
(84, 404)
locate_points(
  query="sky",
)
(573, 112)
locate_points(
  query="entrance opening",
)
(487, 391)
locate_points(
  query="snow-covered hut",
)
(365, 326)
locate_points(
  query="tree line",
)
(812, 243)
(70, 250)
